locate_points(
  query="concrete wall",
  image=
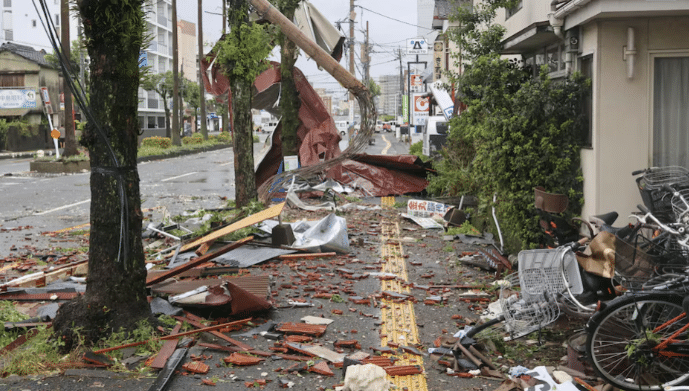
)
(622, 126)
(532, 11)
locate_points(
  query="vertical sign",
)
(438, 60)
(421, 106)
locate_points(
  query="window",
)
(33, 23)
(12, 80)
(586, 69)
(8, 3)
(513, 10)
(57, 19)
(671, 111)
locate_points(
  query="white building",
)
(158, 56)
(21, 24)
(389, 94)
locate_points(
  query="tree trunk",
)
(115, 295)
(70, 136)
(289, 97)
(243, 142)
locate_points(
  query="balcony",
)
(162, 49)
(152, 103)
(162, 20)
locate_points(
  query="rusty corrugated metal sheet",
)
(377, 180)
(257, 285)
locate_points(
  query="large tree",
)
(115, 295)
(289, 96)
(163, 84)
(243, 57)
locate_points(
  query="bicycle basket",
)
(679, 203)
(635, 262)
(656, 199)
(541, 270)
(525, 313)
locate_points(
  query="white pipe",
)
(557, 17)
(630, 52)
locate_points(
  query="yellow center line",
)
(398, 318)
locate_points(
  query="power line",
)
(396, 20)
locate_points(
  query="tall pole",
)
(224, 16)
(352, 16)
(202, 89)
(366, 59)
(175, 75)
(70, 138)
(401, 79)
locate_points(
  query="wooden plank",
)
(195, 262)
(166, 351)
(216, 333)
(266, 214)
(201, 330)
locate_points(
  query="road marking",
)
(179, 176)
(225, 164)
(388, 144)
(62, 207)
(398, 319)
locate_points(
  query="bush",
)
(156, 142)
(416, 149)
(196, 138)
(223, 137)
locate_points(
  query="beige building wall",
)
(623, 107)
(187, 49)
(531, 11)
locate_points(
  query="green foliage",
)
(157, 142)
(256, 138)
(143, 332)
(243, 52)
(416, 149)
(465, 229)
(517, 132)
(337, 298)
(196, 138)
(222, 137)
(373, 87)
(39, 354)
(22, 127)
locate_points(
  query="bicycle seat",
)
(604, 219)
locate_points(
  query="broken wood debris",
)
(196, 262)
(214, 330)
(201, 330)
(269, 213)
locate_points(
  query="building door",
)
(671, 111)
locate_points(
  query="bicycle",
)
(640, 341)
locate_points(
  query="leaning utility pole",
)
(352, 16)
(202, 89)
(70, 138)
(401, 82)
(175, 90)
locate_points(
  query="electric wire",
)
(388, 17)
(81, 100)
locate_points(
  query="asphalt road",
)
(39, 203)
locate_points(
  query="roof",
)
(27, 52)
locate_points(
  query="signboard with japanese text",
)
(439, 64)
(423, 208)
(420, 109)
(417, 46)
(17, 99)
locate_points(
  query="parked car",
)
(387, 127)
(379, 126)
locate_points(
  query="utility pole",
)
(352, 16)
(224, 16)
(175, 75)
(70, 138)
(202, 89)
(225, 117)
(401, 79)
(366, 59)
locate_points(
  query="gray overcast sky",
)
(385, 33)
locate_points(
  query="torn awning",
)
(317, 27)
(382, 175)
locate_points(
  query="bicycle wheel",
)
(623, 339)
